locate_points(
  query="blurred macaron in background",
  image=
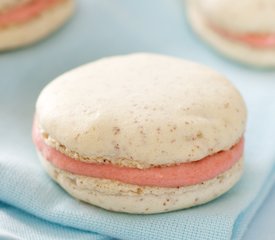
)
(23, 22)
(241, 30)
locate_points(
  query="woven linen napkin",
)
(32, 206)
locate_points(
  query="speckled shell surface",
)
(146, 108)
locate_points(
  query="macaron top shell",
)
(148, 108)
(245, 16)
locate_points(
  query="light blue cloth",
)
(34, 207)
(16, 224)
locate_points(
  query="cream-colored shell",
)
(122, 197)
(19, 35)
(147, 108)
(259, 57)
(244, 16)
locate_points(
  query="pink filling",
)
(25, 12)
(183, 174)
(266, 40)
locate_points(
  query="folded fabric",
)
(34, 207)
(25, 185)
(16, 224)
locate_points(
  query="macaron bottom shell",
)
(126, 197)
(121, 197)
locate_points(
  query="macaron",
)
(23, 22)
(242, 30)
(141, 133)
